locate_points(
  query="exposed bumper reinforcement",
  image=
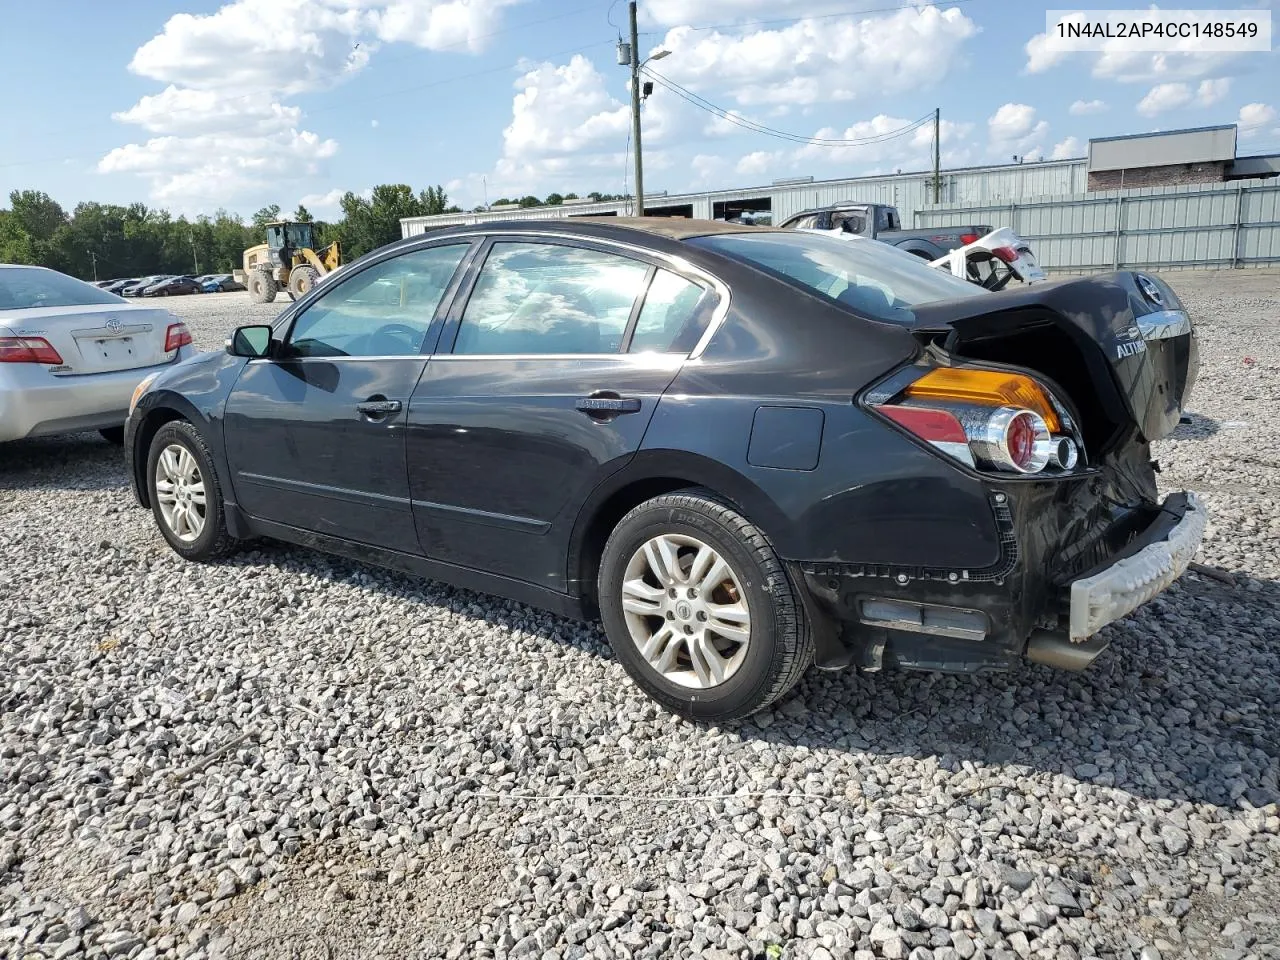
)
(1127, 584)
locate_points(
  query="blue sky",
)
(194, 106)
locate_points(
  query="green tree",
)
(38, 213)
(554, 199)
(530, 201)
(267, 215)
(15, 243)
(302, 215)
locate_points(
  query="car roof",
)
(618, 228)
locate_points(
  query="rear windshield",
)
(24, 287)
(871, 278)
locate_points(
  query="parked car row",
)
(170, 285)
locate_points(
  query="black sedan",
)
(747, 450)
(172, 287)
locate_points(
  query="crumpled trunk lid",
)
(1134, 338)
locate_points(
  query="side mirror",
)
(253, 342)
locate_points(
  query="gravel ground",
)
(293, 755)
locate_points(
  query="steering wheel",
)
(412, 335)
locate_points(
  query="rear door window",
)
(673, 316)
(549, 298)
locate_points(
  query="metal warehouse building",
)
(1170, 199)
(907, 191)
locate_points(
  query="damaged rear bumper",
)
(976, 621)
(1127, 583)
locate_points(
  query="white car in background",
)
(71, 354)
(993, 260)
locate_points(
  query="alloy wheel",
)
(686, 611)
(180, 492)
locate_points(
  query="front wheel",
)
(699, 608)
(262, 287)
(186, 497)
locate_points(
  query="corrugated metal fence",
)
(1192, 226)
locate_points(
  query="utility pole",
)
(937, 154)
(94, 257)
(635, 106)
(194, 259)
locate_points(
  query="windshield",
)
(871, 278)
(25, 287)
(299, 235)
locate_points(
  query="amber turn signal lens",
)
(986, 387)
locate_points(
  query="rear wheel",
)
(113, 435)
(262, 287)
(699, 608)
(186, 497)
(301, 280)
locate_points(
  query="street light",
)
(636, 64)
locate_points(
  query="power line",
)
(755, 127)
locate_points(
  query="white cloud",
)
(563, 120)
(178, 110)
(817, 61)
(1067, 149)
(439, 25)
(1211, 91)
(1184, 62)
(912, 150)
(756, 163)
(1254, 118)
(1014, 129)
(1130, 66)
(707, 168)
(561, 110)
(1082, 108)
(209, 168)
(325, 206)
(224, 130)
(670, 13)
(1164, 96)
(1172, 96)
(1040, 56)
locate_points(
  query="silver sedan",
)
(72, 354)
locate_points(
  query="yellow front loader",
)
(287, 261)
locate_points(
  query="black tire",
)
(780, 647)
(113, 435)
(213, 541)
(301, 280)
(262, 287)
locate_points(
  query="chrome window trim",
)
(1164, 324)
(680, 263)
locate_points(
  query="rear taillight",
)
(1007, 254)
(986, 419)
(28, 350)
(939, 427)
(176, 336)
(968, 238)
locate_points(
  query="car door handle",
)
(606, 405)
(378, 408)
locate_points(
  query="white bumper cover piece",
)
(1129, 583)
